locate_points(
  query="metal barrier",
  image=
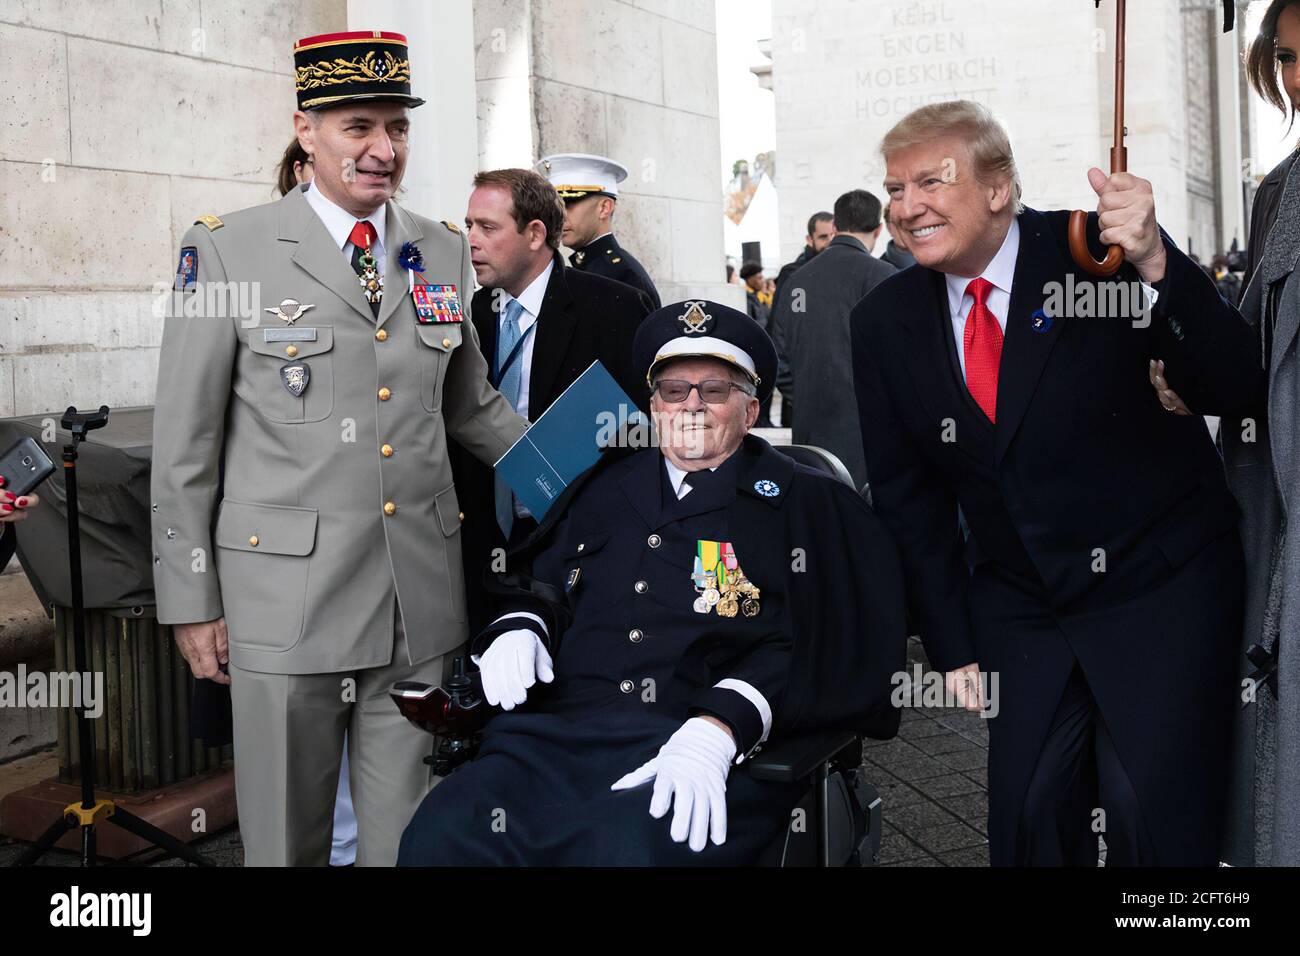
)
(142, 739)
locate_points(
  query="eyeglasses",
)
(715, 391)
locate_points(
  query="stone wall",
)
(121, 125)
(844, 71)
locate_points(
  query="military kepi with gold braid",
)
(336, 68)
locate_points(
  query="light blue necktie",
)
(509, 386)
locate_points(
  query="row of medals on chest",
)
(733, 594)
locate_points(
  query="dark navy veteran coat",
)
(611, 574)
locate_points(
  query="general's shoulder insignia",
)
(212, 222)
(187, 270)
(695, 321)
(451, 225)
(767, 488)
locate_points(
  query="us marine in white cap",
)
(589, 187)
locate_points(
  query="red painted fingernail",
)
(8, 496)
(22, 502)
(5, 509)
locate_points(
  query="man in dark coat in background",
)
(814, 311)
(821, 230)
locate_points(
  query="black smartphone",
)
(24, 466)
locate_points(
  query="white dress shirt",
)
(531, 300)
(339, 222)
(1000, 271)
(676, 477)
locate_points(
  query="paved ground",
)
(931, 778)
(933, 781)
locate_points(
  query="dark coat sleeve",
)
(915, 504)
(621, 331)
(8, 541)
(849, 616)
(1211, 355)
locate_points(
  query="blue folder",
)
(567, 439)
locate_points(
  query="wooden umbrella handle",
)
(1078, 233)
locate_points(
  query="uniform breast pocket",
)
(582, 567)
(290, 381)
(437, 345)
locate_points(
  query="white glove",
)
(693, 766)
(512, 664)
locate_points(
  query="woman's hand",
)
(1168, 397)
(14, 507)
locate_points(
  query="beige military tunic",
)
(311, 516)
(301, 518)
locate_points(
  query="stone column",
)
(633, 81)
(444, 136)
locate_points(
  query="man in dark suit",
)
(1101, 579)
(814, 311)
(821, 230)
(589, 187)
(540, 326)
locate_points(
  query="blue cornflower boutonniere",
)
(411, 258)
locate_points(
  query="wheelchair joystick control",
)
(454, 714)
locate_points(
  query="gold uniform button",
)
(461, 515)
(291, 350)
(381, 335)
(389, 508)
(385, 394)
(386, 451)
(446, 343)
(253, 541)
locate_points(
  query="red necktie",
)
(363, 234)
(982, 346)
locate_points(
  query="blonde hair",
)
(974, 125)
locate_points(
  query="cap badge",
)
(695, 321)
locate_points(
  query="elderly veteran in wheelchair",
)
(677, 607)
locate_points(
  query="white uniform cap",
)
(575, 175)
(704, 346)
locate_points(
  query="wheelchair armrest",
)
(792, 759)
